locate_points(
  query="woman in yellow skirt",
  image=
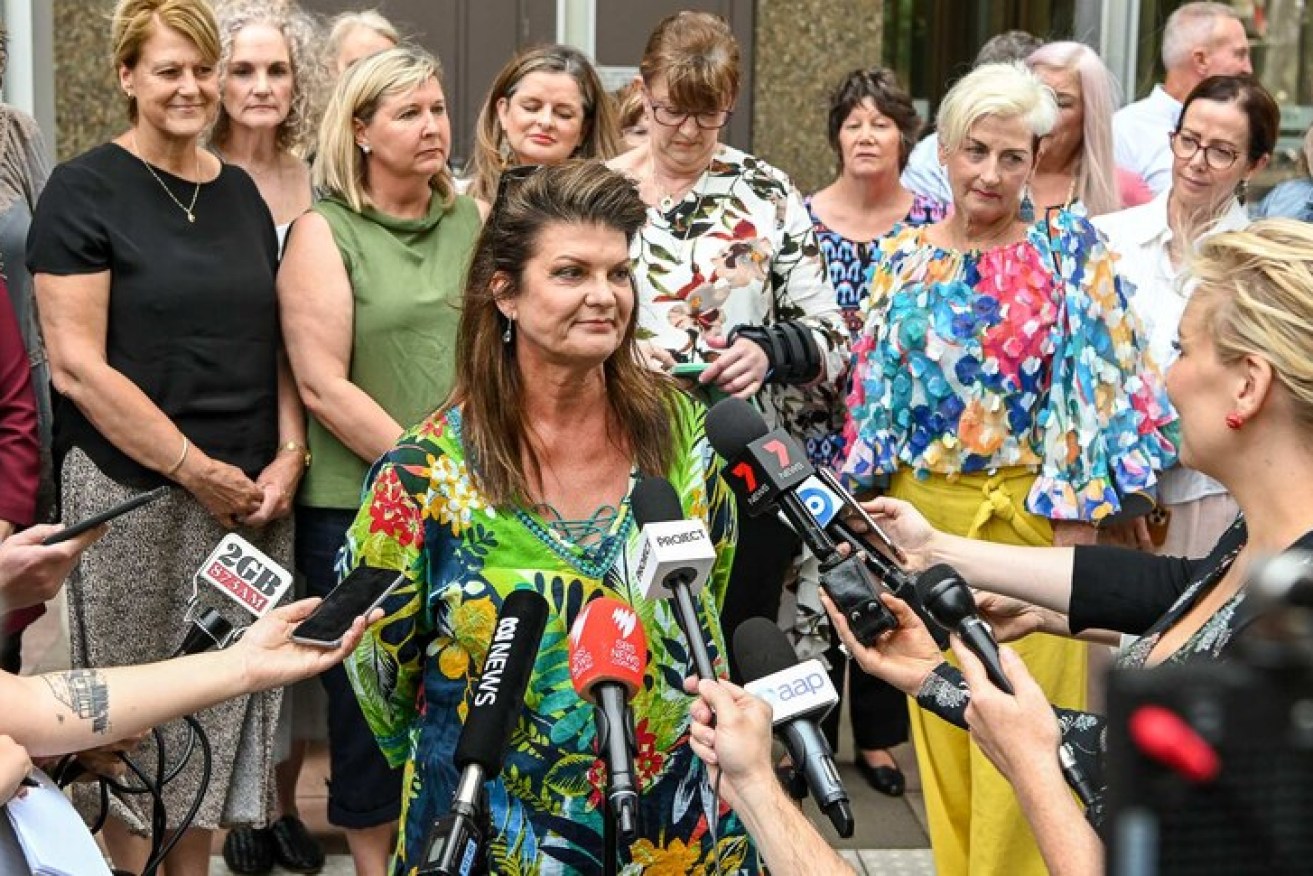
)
(1000, 382)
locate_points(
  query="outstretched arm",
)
(62, 712)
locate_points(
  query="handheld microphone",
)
(801, 694)
(608, 657)
(767, 469)
(244, 574)
(455, 842)
(672, 557)
(948, 600)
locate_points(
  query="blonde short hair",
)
(339, 166)
(1005, 90)
(1257, 288)
(301, 34)
(342, 24)
(134, 22)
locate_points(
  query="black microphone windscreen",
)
(733, 424)
(499, 692)
(654, 500)
(762, 649)
(945, 595)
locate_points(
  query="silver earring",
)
(1026, 210)
(509, 334)
(364, 147)
(1242, 191)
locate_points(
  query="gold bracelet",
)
(182, 457)
(296, 447)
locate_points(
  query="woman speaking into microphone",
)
(522, 480)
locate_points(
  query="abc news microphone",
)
(800, 694)
(608, 658)
(767, 469)
(243, 574)
(455, 843)
(672, 558)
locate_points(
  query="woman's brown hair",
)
(490, 389)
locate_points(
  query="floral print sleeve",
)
(945, 693)
(1107, 409)
(387, 667)
(977, 361)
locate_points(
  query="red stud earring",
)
(1234, 420)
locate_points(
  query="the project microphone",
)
(455, 843)
(800, 695)
(672, 559)
(947, 599)
(247, 578)
(608, 657)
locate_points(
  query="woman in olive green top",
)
(369, 292)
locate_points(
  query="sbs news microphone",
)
(455, 843)
(672, 558)
(800, 694)
(948, 600)
(766, 469)
(241, 572)
(608, 657)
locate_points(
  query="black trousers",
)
(878, 710)
(765, 550)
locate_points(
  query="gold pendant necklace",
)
(190, 210)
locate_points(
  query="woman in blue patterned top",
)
(872, 127)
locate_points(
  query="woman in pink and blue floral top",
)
(728, 270)
(999, 382)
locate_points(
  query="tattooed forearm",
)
(86, 694)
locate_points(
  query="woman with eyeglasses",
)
(729, 273)
(369, 293)
(1226, 134)
(522, 480)
(998, 384)
(546, 105)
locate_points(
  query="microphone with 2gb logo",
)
(243, 574)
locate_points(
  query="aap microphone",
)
(767, 469)
(241, 572)
(608, 657)
(948, 600)
(800, 694)
(455, 843)
(672, 558)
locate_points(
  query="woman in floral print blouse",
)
(728, 269)
(999, 383)
(521, 480)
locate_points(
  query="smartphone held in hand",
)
(358, 594)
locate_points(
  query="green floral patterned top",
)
(740, 249)
(414, 671)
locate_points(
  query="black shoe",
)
(294, 848)
(885, 779)
(249, 851)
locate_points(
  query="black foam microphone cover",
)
(947, 599)
(498, 696)
(732, 424)
(654, 500)
(945, 596)
(761, 649)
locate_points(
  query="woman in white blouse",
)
(1227, 130)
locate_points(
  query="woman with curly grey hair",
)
(270, 78)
